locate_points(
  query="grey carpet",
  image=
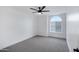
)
(40, 44)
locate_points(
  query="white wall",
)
(15, 26)
(73, 30)
(43, 25)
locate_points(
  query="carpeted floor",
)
(40, 44)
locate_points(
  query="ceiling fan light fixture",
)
(39, 13)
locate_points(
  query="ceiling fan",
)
(39, 10)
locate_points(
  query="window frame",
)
(51, 22)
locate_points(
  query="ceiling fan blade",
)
(39, 8)
(45, 11)
(33, 9)
(43, 7)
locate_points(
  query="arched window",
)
(55, 24)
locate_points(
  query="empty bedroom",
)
(39, 28)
